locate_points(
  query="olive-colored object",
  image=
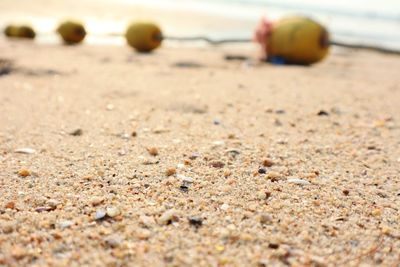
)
(298, 40)
(144, 36)
(72, 32)
(20, 31)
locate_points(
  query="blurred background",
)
(370, 22)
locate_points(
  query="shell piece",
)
(72, 32)
(298, 40)
(144, 36)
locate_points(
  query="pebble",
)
(112, 212)
(170, 172)
(24, 173)
(95, 201)
(232, 151)
(267, 163)
(100, 214)
(224, 207)
(218, 143)
(25, 150)
(113, 241)
(7, 227)
(168, 217)
(264, 218)
(10, 205)
(110, 107)
(298, 181)
(262, 171)
(126, 136)
(143, 234)
(185, 179)
(44, 208)
(195, 221)
(273, 175)
(152, 151)
(65, 224)
(323, 113)
(217, 164)
(147, 221)
(77, 132)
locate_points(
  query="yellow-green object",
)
(144, 36)
(20, 31)
(298, 40)
(72, 32)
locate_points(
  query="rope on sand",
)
(238, 40)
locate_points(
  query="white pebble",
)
(112, 212)
(185, 178)
(224, 207)
(65, 224)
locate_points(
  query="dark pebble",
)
(262, 171)
(322, 113)
(195, 221)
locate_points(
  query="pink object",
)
(261, 35)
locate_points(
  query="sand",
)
(181, 158)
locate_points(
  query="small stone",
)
(65, 224)
(100, 214)
(224, 207)
(113, 241)
(218, 143)
(233, 152)
(53, 203)
(267, 163)
(25, 150)
(264, 219)
(88, 177)
(184, 188)
(125, 136)
(152, 151)
(170, 172)
(196, 155)
(95, 201)
(376, 212)
(273, 175)
(195, 221)
(346, 192)
(273, 245)
(143, 234)
(44, 208)
(168, 217)
(24, 173)
(217, 164)
(323, 113)
(112, 212)
(160, 130)
(110, 107)
(7, 227)
(262, 171)
(298, 181)
(147, 221)
(185, 179)
(10, 205)
(77, 132)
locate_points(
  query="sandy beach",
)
(268, 165)
(184, 158)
